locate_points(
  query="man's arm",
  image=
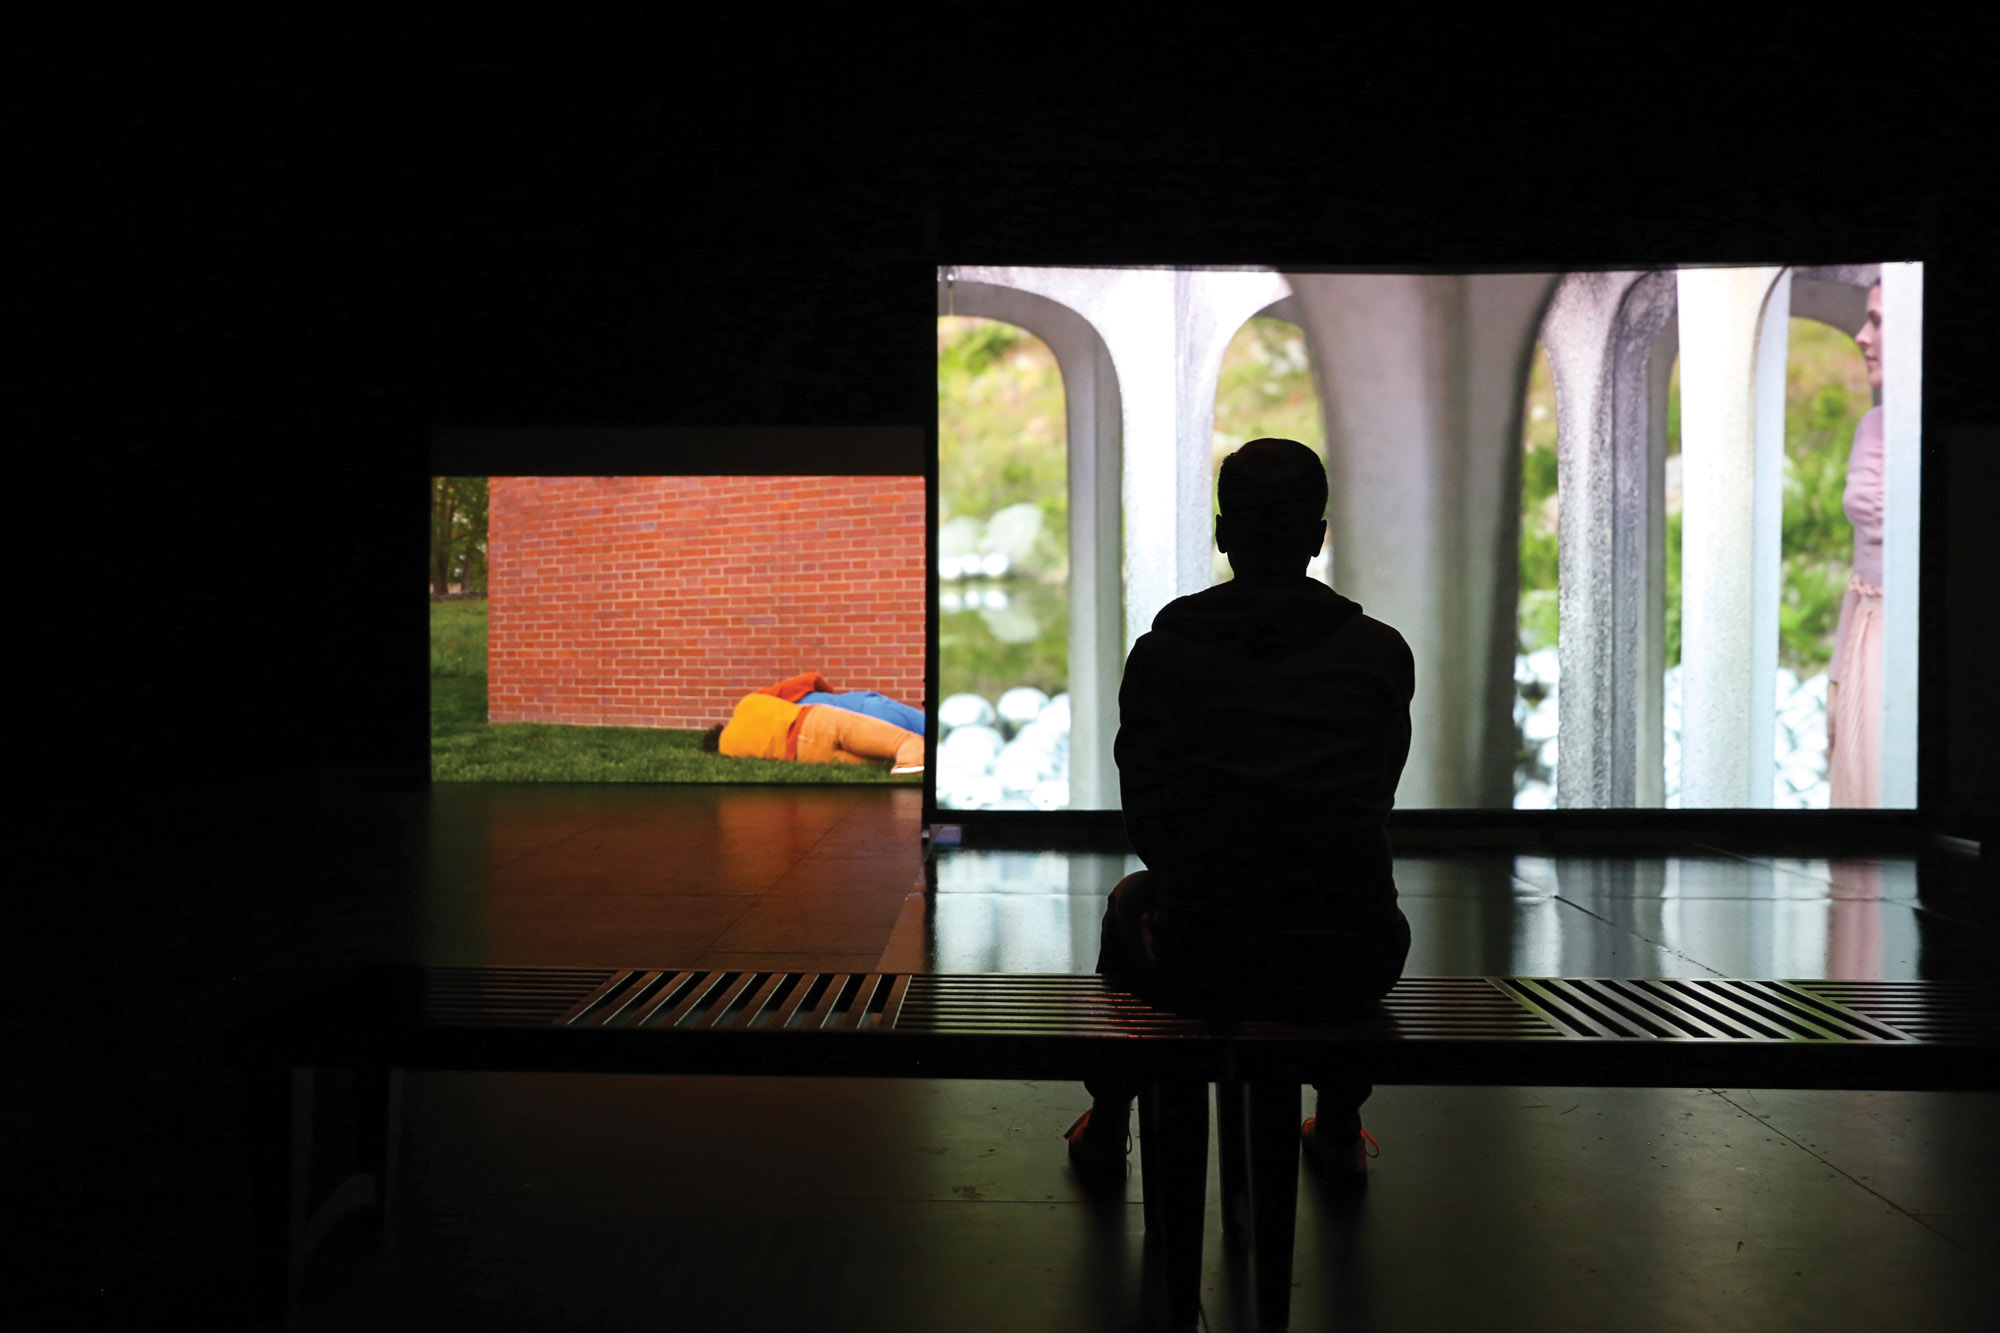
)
(1396, 736)
(793, 688)
(1148, 768)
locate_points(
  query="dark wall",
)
(289, 292)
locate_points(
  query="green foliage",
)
(968, 348)
(1536, 622)
(1003, 437)
(1673, 564)
(458, 639)
(467, 748)
(458, 534)
(1826, 395)
(1266, 389)
(972, 659)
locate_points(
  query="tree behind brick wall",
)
(458, 534)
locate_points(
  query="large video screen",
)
(1651, 534)
(698, 629)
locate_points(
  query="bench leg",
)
(281, 1127)
(1232, 1148)
(290, 1220)
(1174, 1125)
(378, 1119)
(1271, 1117)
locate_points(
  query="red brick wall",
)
(661, 601)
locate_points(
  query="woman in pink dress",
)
(1854, 682)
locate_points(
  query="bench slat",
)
(1038, 1024)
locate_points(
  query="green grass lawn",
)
(465, 747)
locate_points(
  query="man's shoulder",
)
(1382, 643)
(1368, 629)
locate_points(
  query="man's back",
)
(1264, 725)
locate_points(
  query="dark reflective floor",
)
(535, 1202)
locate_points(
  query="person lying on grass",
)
(809, 687)
(765, 726)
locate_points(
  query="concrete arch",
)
(1834, 294)
(1285, 311)
(1421, 380)
(1092, 422)
(1733, 339)
(1613, 340)
(1155, 351)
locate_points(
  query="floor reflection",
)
(598, 1202)
(1487, 914)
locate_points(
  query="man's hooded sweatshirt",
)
(1264, 724)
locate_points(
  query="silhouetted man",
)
(1263, 726)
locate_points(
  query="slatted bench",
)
(1516, 1031)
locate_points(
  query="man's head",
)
(1272, 494)
(711, 740)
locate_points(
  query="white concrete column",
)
(1092, 413)
(1602, 334)
(1210, 306)
(1649, 787)
(1422, 380)
(1767, 575)
(1902, 467)
(1728, 560)
(1096, 585)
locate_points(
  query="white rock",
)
(1039, 736)
(1012, 534)
(965, 710)
(959, 537)
(1051, 795)
(1022, 705)
(982, 793)
(1534, 796)
(994, 564)
(1020, 767)
(974, 747)
(1056, 714)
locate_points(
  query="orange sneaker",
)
(1091, 1159)
(1339, 1162)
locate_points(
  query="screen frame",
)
(711, 451)
(1819, 828)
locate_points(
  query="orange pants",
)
(836, 736)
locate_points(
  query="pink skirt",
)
(1854, 710)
